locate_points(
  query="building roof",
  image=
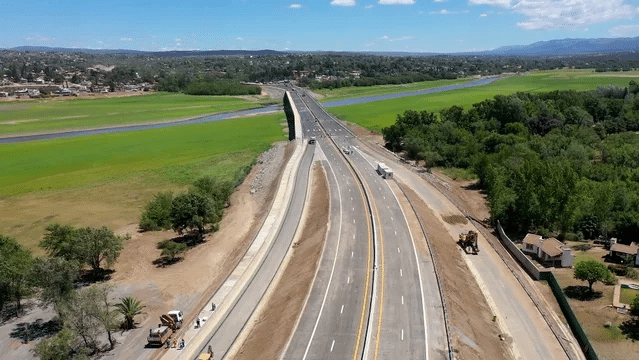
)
(552, 247)
(626, 249)
(533, 239)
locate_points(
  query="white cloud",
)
(402, 38)
(126, 39)
(295, 6)
(396, 2)
(483, 15)
(502, 3)
(370, 44)
(343, 2)
(384, 37)
(551, 14)
(239, 38)
(440, 0)
(625, 31)
(369, 6)
(443, 12)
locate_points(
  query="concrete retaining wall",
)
(530, 267)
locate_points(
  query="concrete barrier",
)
(528, 265)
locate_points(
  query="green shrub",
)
(610, 279)
(171, 250)
(156, 215)
(618, 270)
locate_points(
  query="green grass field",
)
(627, 295)
(379, 114)
(170, 153)
(105, 180)
(19, 117)
(359, 91)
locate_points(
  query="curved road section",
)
(404, 319)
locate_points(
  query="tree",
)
(590, 271)
(171, 249)
(192, 212)
(156, 215)
(62, 346)
(15, 268)
(634, 306)
(59, 241)
(55, 277)
(129, 307)
(88, 315)
(93, 246)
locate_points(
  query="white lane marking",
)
(401, 273)
(353, 209)
(333, 344)
(353, 221)
(384, 197)
(330, 278)
(392, 218)
(419, 272)
(353, 236)
(398, 251)
(402, 299)
(342, 311)
(402, 336)
(395, 232)
(352, 253)
(348, 280)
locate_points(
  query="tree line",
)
(85, 314)
(563, 163)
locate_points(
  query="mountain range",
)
(542, 48)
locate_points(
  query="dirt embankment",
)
(474, 334)
(275, 325)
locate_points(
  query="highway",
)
(403, 318)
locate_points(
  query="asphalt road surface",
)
(403, 319)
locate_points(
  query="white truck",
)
(385, 171)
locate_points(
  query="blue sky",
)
(308, 25)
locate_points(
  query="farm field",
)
(359, 91)
(47, 115)
(379, 114)
(106, 179)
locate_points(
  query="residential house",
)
(630, 252)
(548, 250)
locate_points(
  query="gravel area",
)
(270, 162)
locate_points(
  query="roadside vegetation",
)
(379, 114)
(562, 163)
(50, 115)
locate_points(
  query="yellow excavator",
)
(468, 242)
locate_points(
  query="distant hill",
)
(176, 53)
(542, 48)
(569, 47)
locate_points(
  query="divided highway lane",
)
(333, 322)
(228, 330)
(406, 301)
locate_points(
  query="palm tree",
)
(130, 307)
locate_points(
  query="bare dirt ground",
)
(474, 334)
(276, 323)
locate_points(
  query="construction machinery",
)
(170, 323)
(468, 242)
